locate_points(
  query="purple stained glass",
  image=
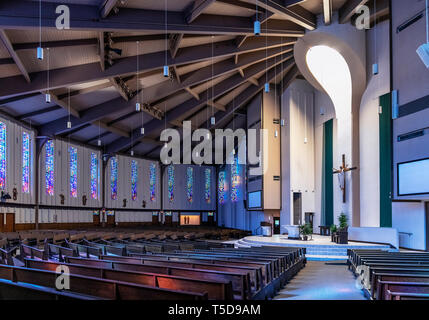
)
(235, 180)
(152, 181)
(171, 183)
(134, 176)
(190, 184)
(114, 178)
(49, 168)
(3, 155)
(221, 187)
(25, 162)
(94, 176)
(73, 172)
(207, 185)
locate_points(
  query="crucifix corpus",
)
(342, 176)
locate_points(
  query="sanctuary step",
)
(320, 248)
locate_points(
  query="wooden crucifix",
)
(342, 176)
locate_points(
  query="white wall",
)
(378, 85)
(297, 156)
(14, 162)
(180, 201)
(62, 176)
(409, 217)
(124, 184)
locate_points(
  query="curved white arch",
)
(332, 72)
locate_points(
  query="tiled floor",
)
(322, 280)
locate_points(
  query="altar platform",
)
(320, 248)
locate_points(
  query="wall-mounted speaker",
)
(423, 52)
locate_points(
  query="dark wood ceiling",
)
(113, 56)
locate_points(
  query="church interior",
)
(214, 150)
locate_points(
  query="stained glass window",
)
(133, 180)
(94, 176)
(207, 184)
(49, 168)
(113, 178)
(190, 183)
(3, 155)
(235, 180)
(221, 187)
(25, 162)
(152, 181)
(171, 183)
(73, 172)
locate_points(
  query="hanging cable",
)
(166, 71)
(39, 48)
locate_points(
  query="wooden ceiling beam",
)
(63, 104)
(68, 76)
(107, 7)
(196, 8)
(9, 47)
(349, 9)
(297, 15)
(193, 93)
(24, 15)
(210, 94)
(327, 11)
(175, 41)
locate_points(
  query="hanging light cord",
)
(166, 30)
(40, 23)
(427, 23)
(48, 68)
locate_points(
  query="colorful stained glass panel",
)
(134, 177)
(73, 172)
(25, 162)
(152, 181)
(114, 178)
(190, 184)
(49, 168)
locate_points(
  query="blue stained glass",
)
(73, 172)
(25, 162)
(221, 187)
(3, 155)
(171, 183)
(235, 180)
(94, 176)
(49, 168)
(134, 180)
(114, 178)
(207, 185)
(152, 181)
(190, 184)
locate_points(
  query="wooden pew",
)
(240, 282)
(27, 251)
(406, 296)
(265, 275)
(404, 287)
(216, 290)
(105, 289)
(86, 251)
(255, 274)
(377, 291)
(23, 291)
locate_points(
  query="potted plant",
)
(342, 232)
(306, 231)
(334, 230)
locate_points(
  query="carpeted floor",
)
(322, 280)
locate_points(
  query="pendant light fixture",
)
(99, 131)
(257, 23)
(69, 124)
(166, 72)
(48, 95)
(267, 85)
(212, 118)
(39, 48)
(138, 106)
